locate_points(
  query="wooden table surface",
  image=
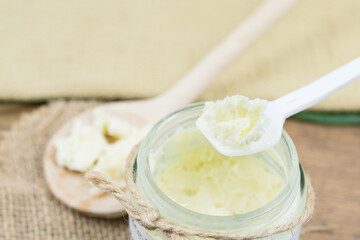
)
(330, 154)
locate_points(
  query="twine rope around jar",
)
(151, 219)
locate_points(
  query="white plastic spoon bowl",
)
(280, 109)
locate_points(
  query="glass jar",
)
(285, 207)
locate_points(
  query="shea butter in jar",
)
(192, 185)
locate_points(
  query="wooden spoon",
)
(73, 190)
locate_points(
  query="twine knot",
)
(149, 218)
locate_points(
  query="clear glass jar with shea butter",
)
(287, 205)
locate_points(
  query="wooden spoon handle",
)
(189, 88)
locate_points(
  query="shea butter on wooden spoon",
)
(102, 145)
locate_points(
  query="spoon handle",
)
(316, 91)
(199, 78)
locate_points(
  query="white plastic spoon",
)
(278, 110)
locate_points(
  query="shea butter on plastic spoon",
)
(239, 126)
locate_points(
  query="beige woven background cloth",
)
(120, 48)
(28, 210)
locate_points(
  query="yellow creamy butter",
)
(195, 175)
(180, 174)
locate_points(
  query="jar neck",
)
(273, 212)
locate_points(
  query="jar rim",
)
(214, 222)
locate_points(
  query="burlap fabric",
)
(107, 49)
(28, 210)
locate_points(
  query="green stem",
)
(329, 118)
